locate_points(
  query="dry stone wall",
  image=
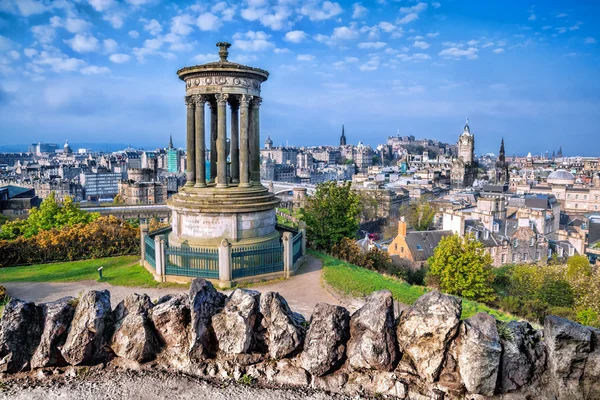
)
(426, 353)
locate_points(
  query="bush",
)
(588, 317)
(104, 237)
(2, 294)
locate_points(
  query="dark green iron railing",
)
(150, 252)
(251, 261)
(196, 262)
(297, 247)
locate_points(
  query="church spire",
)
(501, 156)
(343, 137)
(170, 140)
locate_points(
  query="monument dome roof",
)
(561, 176)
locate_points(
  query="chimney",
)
(402, 227)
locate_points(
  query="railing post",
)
(163, 258)
(302, 227)
(288, 254)
(143, 234)
(158, 256)
(225, 264)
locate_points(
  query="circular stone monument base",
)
(202, 217)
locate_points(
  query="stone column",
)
(288, 254)
(244, 136)
(159, 257)
(213, 141)
(200, 141)
(255, 143)
(222, 141)
(190, 144)
(225, 264)
(143, 234)
(235, 142)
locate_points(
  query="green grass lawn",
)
(356, 281)
(118, 271)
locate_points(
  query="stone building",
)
(142, 192)
(464, 168)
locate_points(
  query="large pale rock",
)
(171, 318)
(90, 328)
(479, 354)
(591, 373)
(425, 330)
(57, 317)
(523, 356)
(205, 302)
(134, 337)
(20, 332)
(234, 326)
(450, 374)
(325, 344)
(283, 329)
(568, 345)
(373, 343)
(376, 383)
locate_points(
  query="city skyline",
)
(377, 68)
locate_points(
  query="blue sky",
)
(104, 70)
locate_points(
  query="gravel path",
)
(146, 386)
(302, 291)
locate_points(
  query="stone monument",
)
(232, 204)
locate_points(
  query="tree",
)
(463, 268)
(419, 215)
(578, 266)
(331, 215)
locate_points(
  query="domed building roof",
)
(561, 177)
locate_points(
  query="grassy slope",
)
(357, 281)
(119, 271)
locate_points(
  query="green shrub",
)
(588, 317)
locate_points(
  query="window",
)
(514, 257)
(396, 246)
(402, 249)
(516, 243)
(576, 197)
(503, 259)
(576, 205)
(560, 251)
(532, 242)
(569, 196)
(537, 255)
(585, 196)
(496, 227)
(486, 234)
(524, 257)
(571, 250)
(558, 195)
(419, 248)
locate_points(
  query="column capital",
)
(256, 101)
(199, 99)
(245, 100)
(222, 99)
(190, 102)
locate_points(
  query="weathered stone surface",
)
(568, 345)
(376, 383)
(57, 317)
(205, 302)
(373, 343)
(523, 356)
(90, 328)
(171, 318)
(287, 374)
(134, 336)
(325, 344)
(331, 382)
(591, 373)
(479, 354)
(450, 374)
(20, 331)
(234, 326)
(425, 330)
(283, 329)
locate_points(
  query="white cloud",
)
(282, 51)
(295, 36)
(435, 4)
(30, 52)
(152, 26)
(119, 58)
(576, 26)
(562, 15)
(421, 45)
(15, 55)
(498, 50)
(83, 43)
(387, 27)
(137, 3)
(589, 40)
(115, 19)
(205, 58)
(278, 19)
(77, 25)
(456, 53)
(546, 27)
(315, 13)
(94, 70)
(473, 42)
(180, 24)
(408, 18)
(101, 5)
(305, 57)
(5, 43)
(208, 22)
(351, 59)
(433, 34)
(358, 11)
(25, 8)
(417, 8)
(414, 57)
(371, 65)
(110, 46)
(133, 34)
(371, 45)
(344, 33)
(532, 17)
(43, 33)
(57, 61)
(252, 41)
(488, 44)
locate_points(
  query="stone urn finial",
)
(223, 52)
